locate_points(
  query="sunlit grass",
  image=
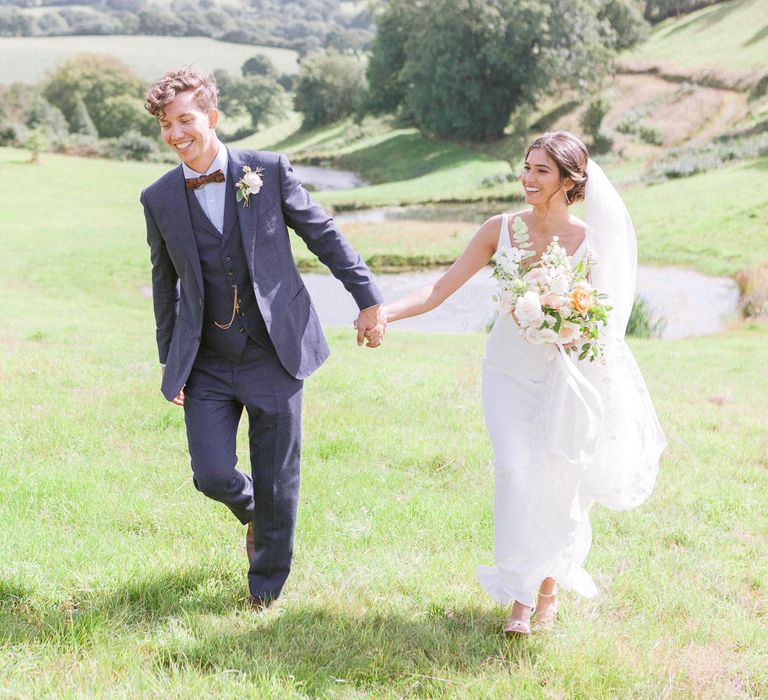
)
(118, 579)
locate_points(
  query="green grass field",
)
(117, 579)
(730, 36)
(28, 59)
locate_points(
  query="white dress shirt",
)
(213, 195)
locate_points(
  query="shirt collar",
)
(219, 163)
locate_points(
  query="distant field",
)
(27, 59)
(731, 37)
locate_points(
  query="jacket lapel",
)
(247, 216)
(181, 221)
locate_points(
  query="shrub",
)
(753, 288)
(134, 146)
(641, 322)
(12, 134)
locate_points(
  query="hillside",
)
(28, 59)
(724, 45)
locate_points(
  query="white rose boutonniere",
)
(250, 183)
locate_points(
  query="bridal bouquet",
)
(551, 300)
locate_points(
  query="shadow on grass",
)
(316, 647)
(323, 648)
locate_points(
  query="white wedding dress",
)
(565, 434)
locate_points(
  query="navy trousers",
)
(215, 395)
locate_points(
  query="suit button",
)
(242, 330)
(200, 301)
(231, 274)
(227, 259)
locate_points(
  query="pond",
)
(323, 179)
(690, 303)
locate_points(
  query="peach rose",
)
(581, 299)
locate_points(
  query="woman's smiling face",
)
(541, 178)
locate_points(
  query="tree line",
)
(303, 25)
(455, 69)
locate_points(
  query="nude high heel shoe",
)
(518, 626)
(546, 620)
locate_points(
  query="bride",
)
(565, 433)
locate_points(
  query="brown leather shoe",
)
(250, 547)
(260, 604)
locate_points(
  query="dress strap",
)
(505, 240)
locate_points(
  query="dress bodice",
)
(505, 240)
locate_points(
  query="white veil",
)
(618, 462)
(612, 240)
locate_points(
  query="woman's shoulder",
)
(523, 214)
(579, 226)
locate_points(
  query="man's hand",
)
(179, 400)
(371, 326)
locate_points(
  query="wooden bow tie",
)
(194, 182)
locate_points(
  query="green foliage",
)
(133, 145)
(330, 87)
(592, 119)
(260, 97)
(642, 323)
(81, 122)
(713, 155)
(460, 67)
(36, 143)
(259, 64)
(625, 19)
(127, 113)
(658, 10)
(306, 26)
(92, 80)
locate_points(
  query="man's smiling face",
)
(190, 132)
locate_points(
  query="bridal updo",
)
(571, 156)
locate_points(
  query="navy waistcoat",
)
(224, 267)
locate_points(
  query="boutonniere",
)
(250, 183)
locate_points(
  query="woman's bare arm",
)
(475, 256)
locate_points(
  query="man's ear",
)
(213, 118)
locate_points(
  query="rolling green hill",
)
(728, 41)
(27, 59)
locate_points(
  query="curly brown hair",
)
(164, 91)
(571, 156)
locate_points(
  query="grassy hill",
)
(27, 59)
(725, 43)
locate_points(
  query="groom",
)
(235, 325)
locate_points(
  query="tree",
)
(91, 79)
(460, 67)
(330, 86)
(259, 65)
(258, 96)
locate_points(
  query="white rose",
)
(253, 182)
(540, 335)
(528, 309)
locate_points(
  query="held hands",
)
(371, 325)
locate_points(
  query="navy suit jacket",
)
(290, 318)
